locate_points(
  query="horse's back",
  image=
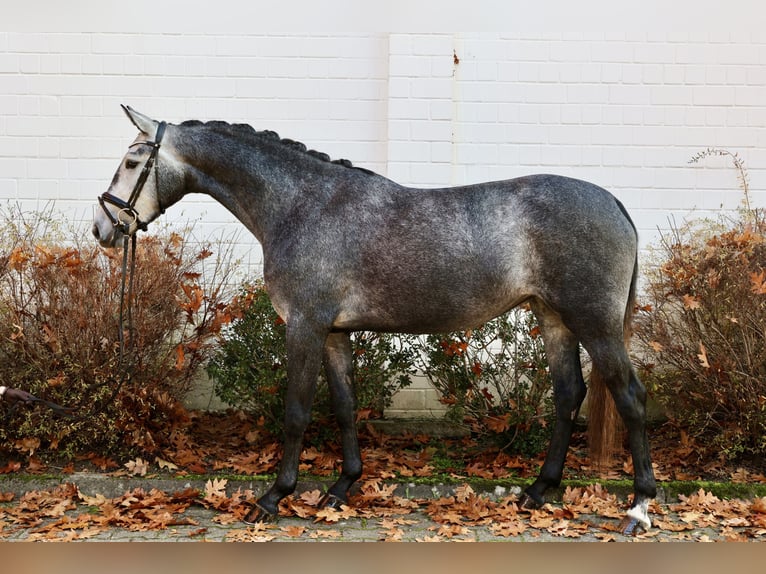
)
(444, 259)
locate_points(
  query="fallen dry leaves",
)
(65, 514)
(238, 444)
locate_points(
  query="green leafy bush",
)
(250, 368)
(59, 316)
(702, 332)
(495, 378)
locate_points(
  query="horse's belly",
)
(435, 312)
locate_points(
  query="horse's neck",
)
(258, 191)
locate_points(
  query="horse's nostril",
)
(96, 232)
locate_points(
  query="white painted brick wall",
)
(62, 131)
(623, 110)
(626, 111)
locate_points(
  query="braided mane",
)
(247, 131)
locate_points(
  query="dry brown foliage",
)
(703, 327)
(60, 327)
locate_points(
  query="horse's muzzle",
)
(108, 238)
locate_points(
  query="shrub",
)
(59, 302)
(250, 367)
(495, 378)
(702, 332)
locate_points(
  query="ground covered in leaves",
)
(220, 446)
(591, 513)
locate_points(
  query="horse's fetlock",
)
(353, 470)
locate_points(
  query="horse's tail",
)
(605, 428)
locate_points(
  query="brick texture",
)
(626, 111)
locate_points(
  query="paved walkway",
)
(416, 527)
(95, 508)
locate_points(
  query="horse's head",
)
(135, 196)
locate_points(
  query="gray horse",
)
(346, 249)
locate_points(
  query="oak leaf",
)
(451, 530)
(758, 281)
(165, 464)
(759, 505)
(325, 534)
(98, 500)
(434, 538)
(215, 489)
(506, 529)
(327, 514)
(137, 467)
(464, 492)
(691, 302)
(392, 535)
(498, 424)
(311, 497)
(29, 444)
(605, 536)
(251, 534)
(293, 531)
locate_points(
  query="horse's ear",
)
(144, 123)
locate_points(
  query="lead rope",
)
(127, 369)
(124, 368)
(126, 311)
(129, 239)
(121, 326)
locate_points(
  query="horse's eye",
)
(131, 163)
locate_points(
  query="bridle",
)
(124, 368)
(129, 207)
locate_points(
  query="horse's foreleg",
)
(304, 359)
(562, 352)
(339, 368)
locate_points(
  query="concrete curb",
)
(92, 483)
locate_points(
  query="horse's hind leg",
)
(563, 353)
(339, 369)
(611, 360)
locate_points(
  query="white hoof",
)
(640, 513)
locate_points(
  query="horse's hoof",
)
(527, 502)
(259, 514)
(331, 501)
(630, 526)
(636, 520)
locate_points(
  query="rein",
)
(128, 261)
(124, 369)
